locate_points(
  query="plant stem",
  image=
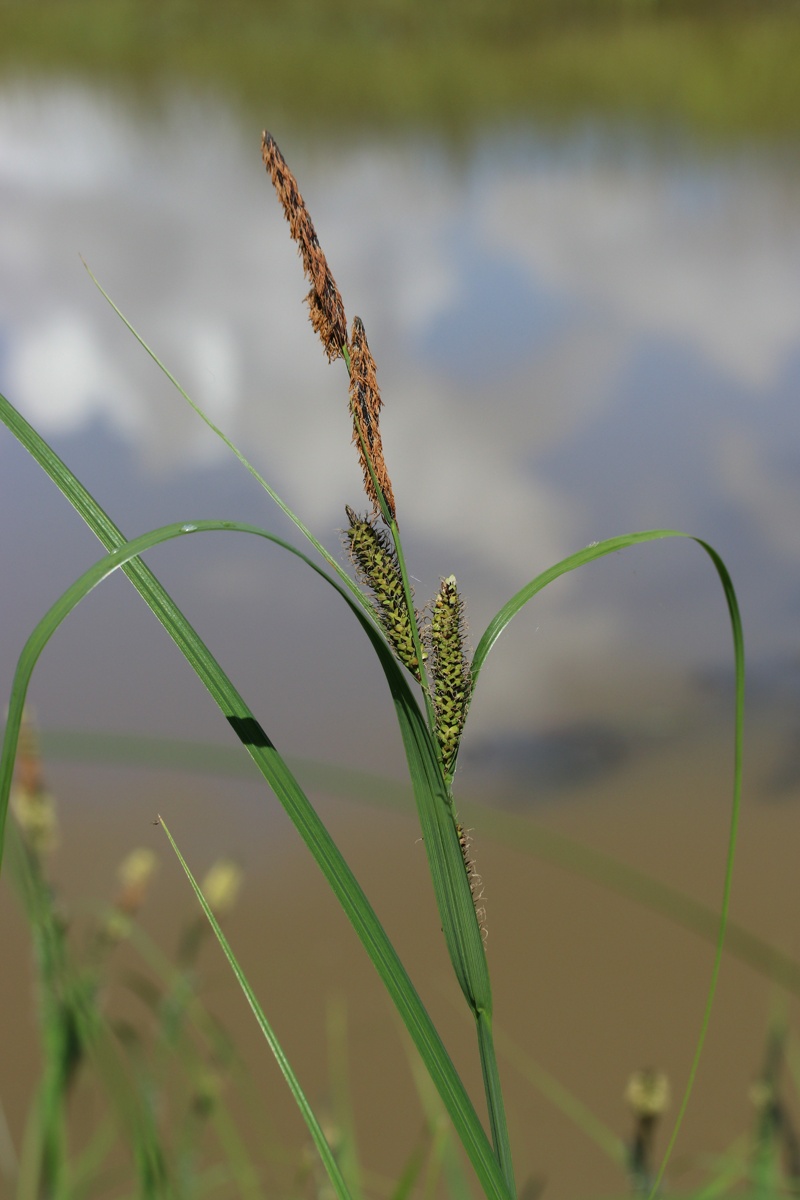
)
(494, 1098)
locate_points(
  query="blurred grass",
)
(376, 790)
(719, 69)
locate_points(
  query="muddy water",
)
(587, 983)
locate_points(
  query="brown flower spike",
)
(365, 406)
(325, 306)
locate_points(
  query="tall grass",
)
(432, 680)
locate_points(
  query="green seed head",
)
(375, 560)
(450, 669)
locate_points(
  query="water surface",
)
(576, 336)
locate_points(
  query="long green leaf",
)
(586, 555)
(291, 796)
(506, 614)
(451, 887)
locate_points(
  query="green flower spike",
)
(375, 560)
(450, 670)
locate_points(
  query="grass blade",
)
(453, 898)
(518, 601)
(340, 1100)
(320, 1141)
(291, 796)
(588, 554)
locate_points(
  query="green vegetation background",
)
(719, 68)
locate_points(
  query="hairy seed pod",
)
(450, 669)
(375, 561)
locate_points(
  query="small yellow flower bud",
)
(134, 874)
(647, 1093)
(137, 868)
(36, 814)
(221, 885)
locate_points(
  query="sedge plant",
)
(432, 680)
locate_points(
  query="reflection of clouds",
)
(179, 222)
(66, 378)
(715, 266)
(207, 273)
(61, 142)
(768, 496)
(451, 474)
(388, 212)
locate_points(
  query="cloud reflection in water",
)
(572, 342)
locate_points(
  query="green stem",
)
(491, 1076)
(494, 1098)
(53, 1020)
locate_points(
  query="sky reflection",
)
(574, 339)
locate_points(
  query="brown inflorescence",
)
(326, 309)
(376, 562)
(365, 406)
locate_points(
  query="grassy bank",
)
(721, 71)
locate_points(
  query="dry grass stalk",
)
(365, 406)
(326, 309)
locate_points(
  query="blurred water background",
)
(573, 235)
(586, 321)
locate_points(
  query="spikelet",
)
(326, 309)
(476, 886)
(365, 407)
(375, 561)
(450, 669)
